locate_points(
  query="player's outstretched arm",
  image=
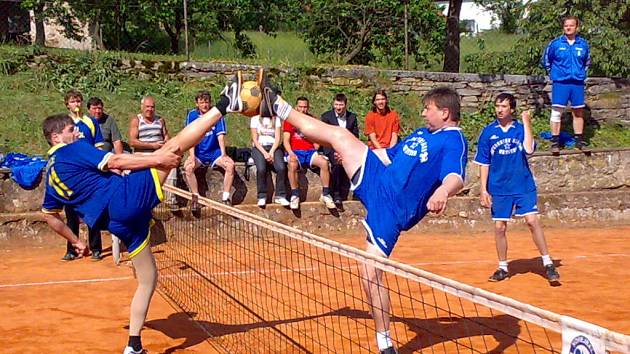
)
(450, 186)
(59, 226)
(162, 159)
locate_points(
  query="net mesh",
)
(255, 286)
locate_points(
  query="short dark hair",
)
(72, 94)
(444, 97)
(565, 19)
(94, 101)
(340, 97)
(302, 98)
(382, 93)
(203, 94)
(55, 124)
(506, 96)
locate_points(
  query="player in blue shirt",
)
(506, 182)
(567, 59)
(397, 186)
(79, 175)
(89, 131)
(210, 152)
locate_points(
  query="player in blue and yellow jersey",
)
(210, 152)
(79, 175)
(89, 131)
(567, 59)
(507, 184)
(397, 186)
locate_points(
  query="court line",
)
(103, 280)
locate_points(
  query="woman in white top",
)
(266, 152)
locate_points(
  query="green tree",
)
(605, 24)
(508, 12)
(358, 31)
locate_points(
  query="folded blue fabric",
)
(565, 138)
(25, 170)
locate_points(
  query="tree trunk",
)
(40, 31)
(451, 49)
(96, 33)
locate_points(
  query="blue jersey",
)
(76, 177)
(89, 130)
(418, 166)
(567, 62)
(502, 150)
(207, 148)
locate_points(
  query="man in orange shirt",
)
(381, 124)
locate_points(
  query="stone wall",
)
(608, 99)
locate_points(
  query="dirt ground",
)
(50, 306)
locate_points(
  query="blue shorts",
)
(506, 206)
(569, 91)
(210, 159)
(130, 209)
(379, 223)
(305, 157)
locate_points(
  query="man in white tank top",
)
(148, 133)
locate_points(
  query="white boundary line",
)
(58, 282)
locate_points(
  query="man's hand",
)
(437, 202)
(80, 247)
(526, 117)
(486, 199)
(167, 159)
(338, 157)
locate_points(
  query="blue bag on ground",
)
(25, 170)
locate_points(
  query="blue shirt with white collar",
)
(566, 61)
(209, 145)
(502, 149)
(89, 130)
(418, 166)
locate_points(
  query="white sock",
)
(383, 340)
(546, 260)
(282, 108)
(503, 265)
(225, 196)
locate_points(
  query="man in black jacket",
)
(340, 116)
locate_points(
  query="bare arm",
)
(394, 140)
(286, 137)
(59, 226)
(160, 159)
(528, 143)
(374, 141)
(276, 142)
(222, 144)
(484, 196)
(118, 147)
(450, 186)
(165, 130)
(256, 143)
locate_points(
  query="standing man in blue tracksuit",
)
(567, 59)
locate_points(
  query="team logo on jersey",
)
(581, 345)
(506, 146)
(494, 137)
(417, 146)
(382, 242)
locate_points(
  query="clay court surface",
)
(50, 306)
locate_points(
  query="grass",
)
(28, 96)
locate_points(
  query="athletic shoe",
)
(390, 350)
(262, 202)
(282, 201)
(69, 257)
(295, 202)
(581, 145)
(226, 201)
(97, 255)
(272, 104)
(498, 275)
(233, 93)
(552, 273)
(194, 203)
(328, 201)
(129, 350)
(555, 149)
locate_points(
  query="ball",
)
(251, 95)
